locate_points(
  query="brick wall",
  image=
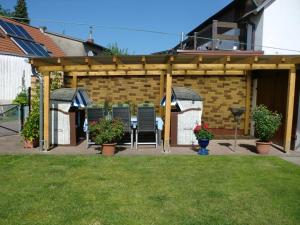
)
(132, 89)
(219, 93)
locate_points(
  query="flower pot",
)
(263, 147)
(108, 149)
(31, 144)
(203, 143)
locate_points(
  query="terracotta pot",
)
(108, 149)
(31, 144)
(263, 147)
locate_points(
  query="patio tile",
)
(13, 145)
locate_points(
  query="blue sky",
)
(171, 16)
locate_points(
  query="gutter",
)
(41, 123)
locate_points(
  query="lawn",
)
(39, 189)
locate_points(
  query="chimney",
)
(90, 39)
(43, 29)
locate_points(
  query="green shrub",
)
(266, 122)
(30, 130)
(21, 98)
(106, 131)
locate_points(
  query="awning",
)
(79, 100)
(76, 97)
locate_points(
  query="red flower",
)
(197, 128)
(205, 126)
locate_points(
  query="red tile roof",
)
(8, 46)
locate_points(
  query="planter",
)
(108, 149)
(263, 148)
(203, 143)
(31, 144)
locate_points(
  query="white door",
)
(297, 145)
(186, 124)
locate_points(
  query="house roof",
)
(63, 94)
(75, 39)
(253, 6)
(8, 46)
(183, 93)
(75, 96)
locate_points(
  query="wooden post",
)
(214, 34)
(289, 109)
(168, 112)
(161, 92)
(46, 111)
(74, 82)
(247, 103)
(195, 40)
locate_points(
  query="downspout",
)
(41, 125)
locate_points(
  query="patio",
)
(13, 145)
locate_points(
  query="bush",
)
(106, 131)
(266, 123)
(21, 98)
(30, 130)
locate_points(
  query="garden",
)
(39, 189)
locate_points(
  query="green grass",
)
(179, 190)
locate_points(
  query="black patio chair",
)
(93, 114)
(146, 123)
(122, 112)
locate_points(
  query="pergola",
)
(167, 66)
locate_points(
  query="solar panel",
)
(30, 48)
(14, 30)
(23, 39)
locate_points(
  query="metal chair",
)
(146, 123)
(93, 114)
(122, 112)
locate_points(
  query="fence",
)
(12, 118)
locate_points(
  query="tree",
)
(5, 12)
(21, 12)
(113, 49)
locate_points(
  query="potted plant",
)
(203, 135)
(266, 125)
(107, 132)
(30, 132)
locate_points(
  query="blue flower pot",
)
(203, 143)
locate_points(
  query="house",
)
(19, 42)
(269, 26)
(73, 46)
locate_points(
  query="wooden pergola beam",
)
(289, 109)
(161, 91)
(46, 111)
(74, 81)
(138, 67)
(156, 73)
(247, 102)
(168, 110)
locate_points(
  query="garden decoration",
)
(107, 132)
(237, 113)
(203, 135)
(266, 125)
